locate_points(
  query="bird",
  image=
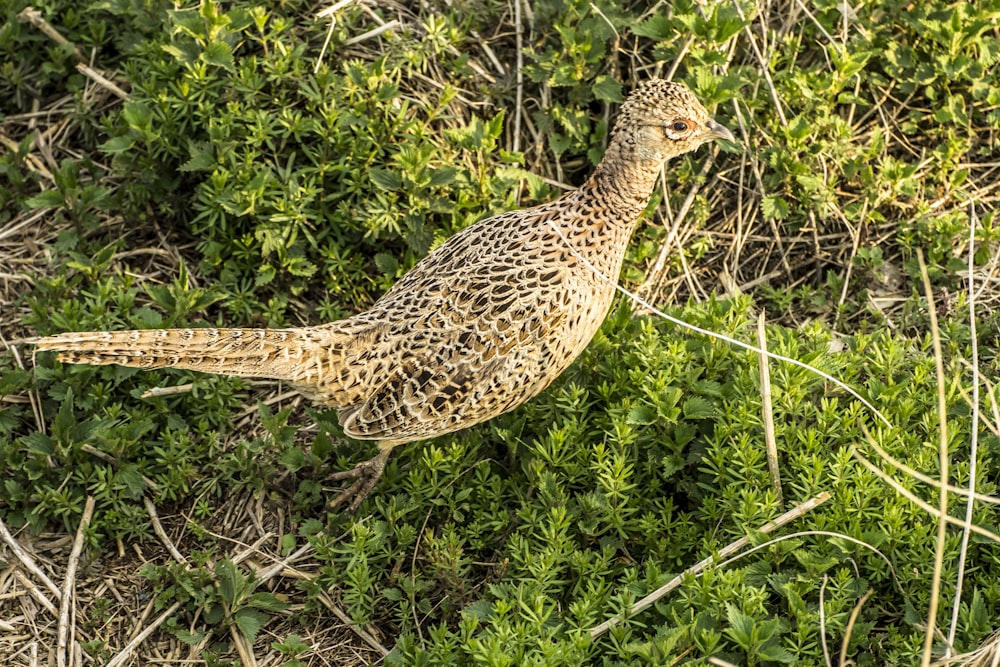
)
(480, 325)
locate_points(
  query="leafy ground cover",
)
(282, 164)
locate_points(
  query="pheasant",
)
(481, 325)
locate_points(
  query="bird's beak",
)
(719, 131)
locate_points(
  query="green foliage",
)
(296, 176)
(645, 457)
(299, 188)
(226, 594)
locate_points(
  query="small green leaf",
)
(229, 579)
(774, 208)
(740, 627)
(132, 480)
(480, 610)
(385, 179)
(697, 407)
(300, 266)
(642, 415)
(189, 638)
(443, 175)
(293, 459)
(46, 199)
(655, 27)
(387, 264)
(607, 89)
(137, 115)
(267, 602)
(39, 443)
(215, 614)
(118, 144)
(322, 446)
(776, 653)
(65, 419)
(250, 621)
(202, 157)
(265, 275)
(219, 53)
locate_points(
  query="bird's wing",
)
(466, 335)
(440, 389)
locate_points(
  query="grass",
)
(272, 167)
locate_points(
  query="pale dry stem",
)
(725, 552)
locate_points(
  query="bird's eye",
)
(679, 126)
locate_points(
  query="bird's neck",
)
(624, 182)
(609, 205)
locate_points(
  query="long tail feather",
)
(271, 353)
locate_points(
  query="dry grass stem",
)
(822, 620)
(942, 513)
(161, 533)
(247, 657)
(366, 636)
(26, 560)
(335, 7)
(36, 592)
(916, 474)
(126, 653)
(63, 655)
(767, 410)
(102, 81)
(35, 18)
(930, 509)
(33, 399)
(849, 630)
(284, 564)
(168, 391)
(652, 285)
(518, 75)
(725, 552)
(719, 662)
(974, 437)
(764, 69)
(986, 655)
(374, 32)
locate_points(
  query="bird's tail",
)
(284, 354)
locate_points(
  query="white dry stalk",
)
(822, 620)
(710, 562)
(916, 474)
(974, 440)
(65, 629)
(942, 513)
(821, 533)
(767, 412)
(912, 497)
(330, 11)
(518, 74)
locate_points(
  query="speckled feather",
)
(481, 325)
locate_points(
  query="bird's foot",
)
(365, 474)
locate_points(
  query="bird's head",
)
(661, 119)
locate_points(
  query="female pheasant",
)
(482, 324)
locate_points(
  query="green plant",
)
(224, 594)
(247, 181)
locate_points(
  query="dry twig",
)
(63, 656)
(767, 410)
(725, 552)
(942, 512)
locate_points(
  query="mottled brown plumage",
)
(482, 324)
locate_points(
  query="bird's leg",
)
(365, 474)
